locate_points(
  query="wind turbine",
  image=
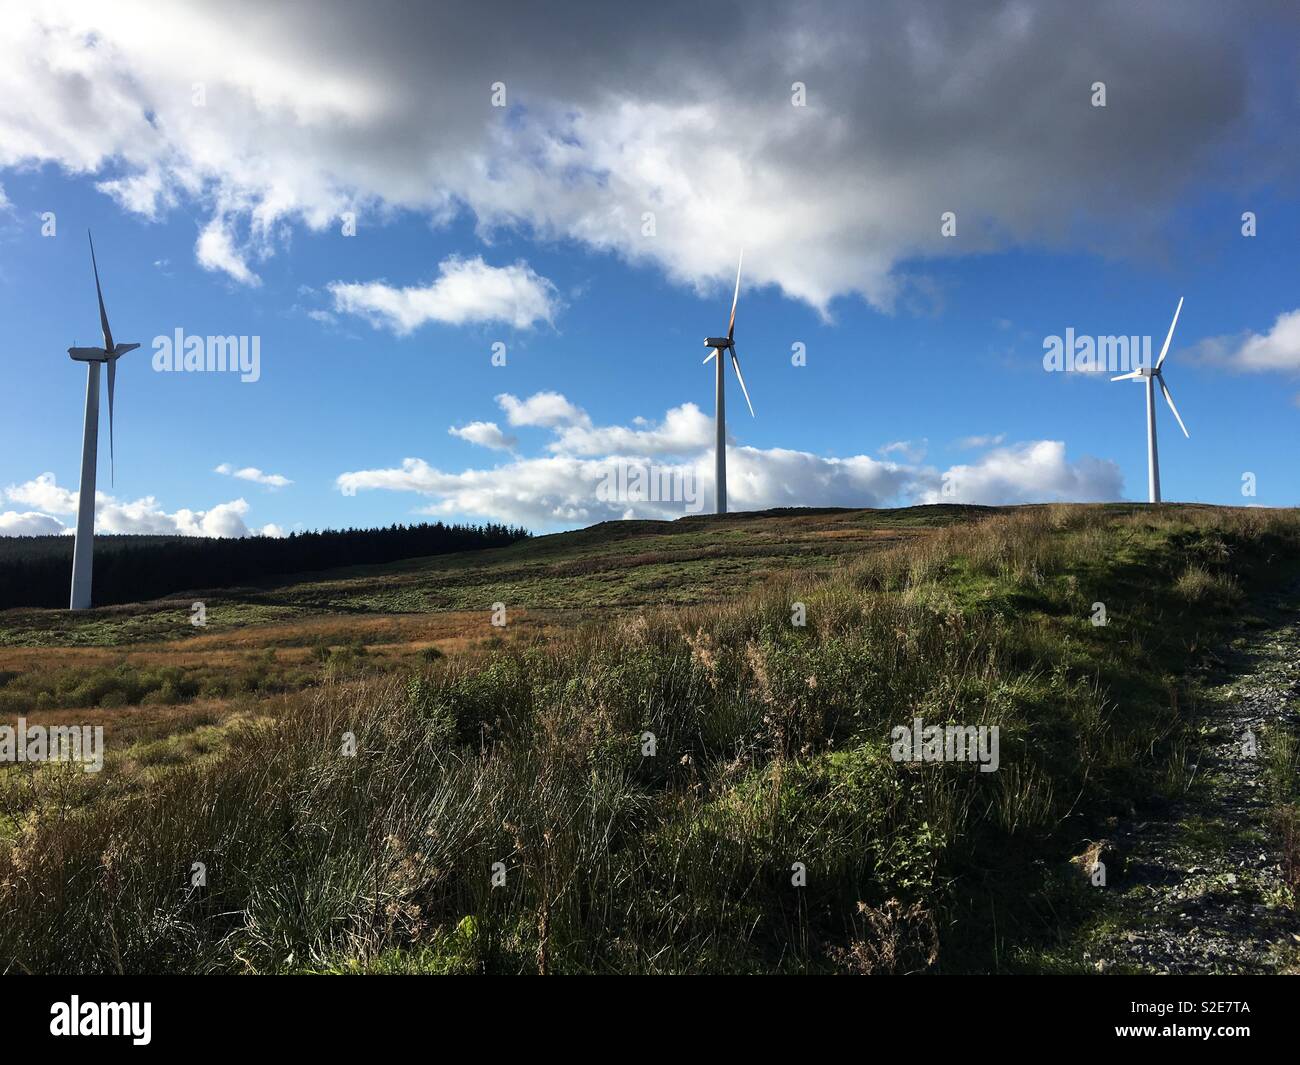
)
(719, 345)
(84, 547)
(1152, 375)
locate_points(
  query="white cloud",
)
(327, 109)
(466, 291)
(569, 486)
(778, 477)
(1033, 472)
(252, 473)
(547, 409)
(485, 434)
(1277, 350)
(13, 523)
(144, 515)
(42, 493)
(684, 429)
(215, 250)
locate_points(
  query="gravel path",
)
(1201, 889)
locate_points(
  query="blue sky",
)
(924, 352)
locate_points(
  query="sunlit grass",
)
(770, 753)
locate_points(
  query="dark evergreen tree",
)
(36, 570)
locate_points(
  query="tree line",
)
(37, 570)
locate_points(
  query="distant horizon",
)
(735, 514)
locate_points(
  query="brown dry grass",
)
(451, 632)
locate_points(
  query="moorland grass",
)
(501, 814)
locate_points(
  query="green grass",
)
(123, 684)
(616, 564)
(771, 753)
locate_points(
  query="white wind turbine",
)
(84, 547)
(1152, 375)
(719, 345)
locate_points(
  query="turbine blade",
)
(103, 314)
(1170, 400)
(112, 461)
(709, 357)
(731, 326)
(1128, 376)
(1170, 335)
(735, 362)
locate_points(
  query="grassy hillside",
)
(526, 745)
(615, 564)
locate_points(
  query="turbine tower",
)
(1152, 375)
(719, 345)
(84, 547)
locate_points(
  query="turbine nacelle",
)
(1141, 373)
(88, 354)
(99, 354)
(717, 342)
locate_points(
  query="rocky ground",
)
(1200, 885)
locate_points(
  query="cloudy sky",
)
(478, 247)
